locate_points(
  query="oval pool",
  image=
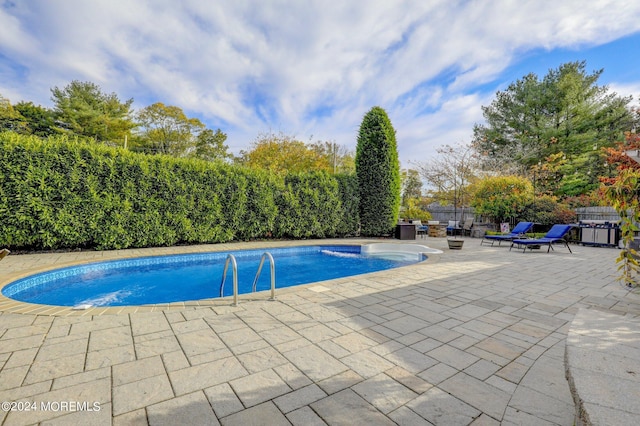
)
(188, 277)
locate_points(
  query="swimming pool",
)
(187, 277)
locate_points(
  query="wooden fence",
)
(447, 213)
(597, 213)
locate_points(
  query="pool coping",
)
(15, 306)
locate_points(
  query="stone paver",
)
(440, 408)
(601, 354)
(259, 387)
(266, 414)
(191, 409)
(141, 393)
(341, 409)
(384, 393)
(475, 336)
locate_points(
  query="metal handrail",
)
(273, 274)
(234, 268)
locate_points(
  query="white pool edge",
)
(398, 248)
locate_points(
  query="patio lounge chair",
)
(555, 235)
(518, 232)
(421, 230)
(453, 227)
(3, 253)
(467, 226)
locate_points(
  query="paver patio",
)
(475, 336)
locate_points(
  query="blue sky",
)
(312, 69)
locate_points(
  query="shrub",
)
(348, 191)
(309, 206)
(61, 193)
(378, 171)
(546, 210)
(501, 197)
(413, 211)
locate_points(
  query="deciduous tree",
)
(165, 129)
(339, 157)
(411, 186)
(450, 174)
(10, 118)
(283, 154)
(624, 196)
(617, 157)
(39, 120)
(501, 197)
(210, 145)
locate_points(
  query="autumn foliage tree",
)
(339, 157)
(501, 197)
(624, 196)
(618, 158)
(281, 153)
(623, 193)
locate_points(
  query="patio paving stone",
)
(191, 409)
(367, 363)
(305, 416)
(223, 400)
(137, 370)
(108, 357)
(440, 408)
(384, 393)
(471, 337)
(315, 363)
(340, 409)
(488, 399)
(266, 414)
(206, 375)
(299, 398)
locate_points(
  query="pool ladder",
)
(234, 269)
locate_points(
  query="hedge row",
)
(61, 193)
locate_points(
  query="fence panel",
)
(597, 213)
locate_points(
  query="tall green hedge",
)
(349, 224)
(61, 193)
(378, 171)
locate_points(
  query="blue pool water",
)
(165, 279)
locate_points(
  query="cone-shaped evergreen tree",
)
(378, 171)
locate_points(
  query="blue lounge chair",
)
(555, 235)
(422, 230)
(517, 232)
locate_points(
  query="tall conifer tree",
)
(378, 172)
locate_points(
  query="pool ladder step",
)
(234, 272)
(266, 255)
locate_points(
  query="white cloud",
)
(622, 89)
(255, 66)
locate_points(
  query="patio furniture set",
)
(517, 237)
